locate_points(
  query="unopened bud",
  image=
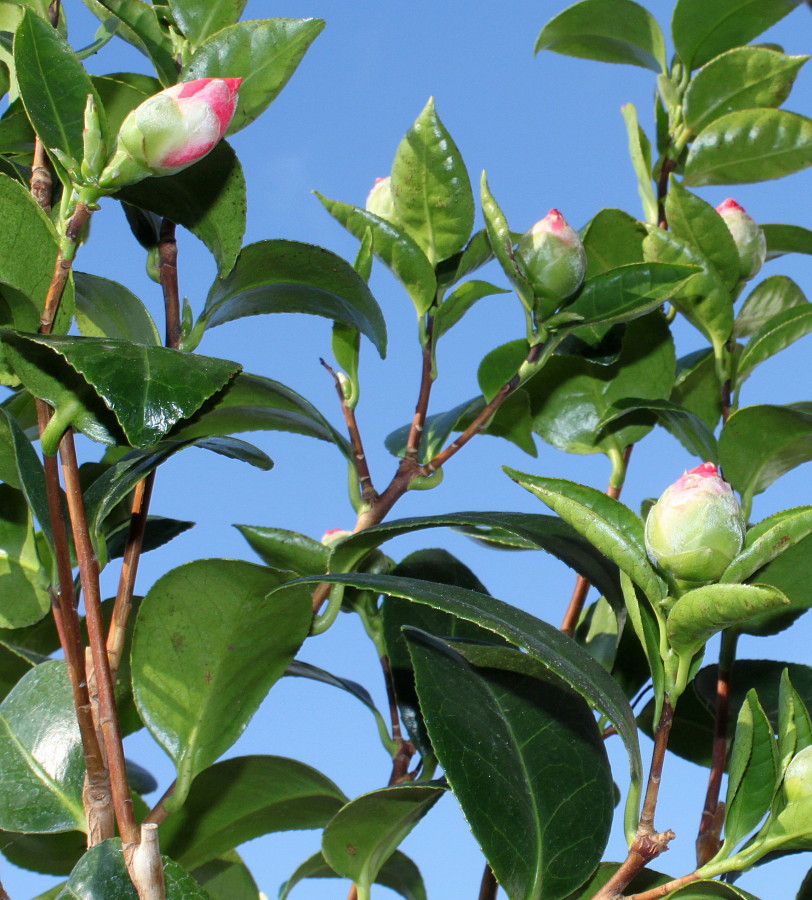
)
(95, 151)
(748, 237)
(333, 535)
(696, 528)
(798, 777)
(380, 202)
(552, 258)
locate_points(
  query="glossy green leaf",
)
(226, 878)
(121, 93)
(783, 239)
(285, 549)
(28, 273)
(612, 238)
(105, 308)
(704, 611)
(616, 31)
(207, 648)
(139, 26)
(703, 299)
(641, 162)
(459, 301)
(430, 188)
(646, 620)
(697, 223)
(767, 540)
(739, 79)
(760, 443)
(102, 875)
(282, 276)
(748, 146)
(264, 53)
(606, 523)
(437, 429)
(697, 387)
(208, 198)
(254, 403)
(41, 756)
(148, 389)
(243, 798)
(14, 663)
(55, 106)
(47, 854)
(398, 873)
(393, 247)
(363, 834)
(199, 20)
(543, 642)
(774, 295)
(541, 833)
(159, 530)
(703, 890)
(570, 398)
(701, 32)
(753, 772)
(24, 582)
(774, 336)
(477, 252)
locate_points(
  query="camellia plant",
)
(487, 702)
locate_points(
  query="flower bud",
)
(95, 152)
(380, 202)
(798, 777)
(333, 535)
(696, 528)
(171, 130)
(552, 257)
(748, 237)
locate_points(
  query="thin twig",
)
(3, 894)
(352, 893)
(158, 813)
(666, 169)
(489, 886)
(368, 492)
(168, 277)
(664, 889)
(405, 752)
(422, 406)
(62, 268)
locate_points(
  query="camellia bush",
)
(505, 711)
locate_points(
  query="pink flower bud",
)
(333, 535)
(552, 257)
(380, 202)
(172, 130)
(696, 528)
(748, 237)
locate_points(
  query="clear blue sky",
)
(549, 132)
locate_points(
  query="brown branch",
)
(667, 168)
(352, 893)
(41, 183)
(488, 886)
(368, 493)
(62, 268)
(158, 813)
(405, 749)
(664, 889)
(168, 277)
(421, 407)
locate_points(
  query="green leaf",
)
(501, 240)
(393, 247)
(208, 198)
(207, 648)
(767, 540)
(612, 238)
(700, 33)
(254, 403)
(645, 880)
(24, 582)
(541, 833)
(748, 146)
(107, 309)
(607, 524)
(148, 389)
(641, 163)
(543, 642)
(702, 612)
(476, 254)
(243, 798)
(430, 188)
(102, 875)
(282, 276)
(774, 336)
(55, 104)
(783, 239)
(398, 873)
(437, 429)
(226, 878)
(760, 443)
(199, 20)
(159, 530)
(739, 79)
(14, 663)
(774, 295)
(121, 93)
(264, 53)
(364, 833)
(571, 397)
(41, 755)
(285, 549)
(702, 890)
(47, 854)
(459, 301)
(697, 387)
(615, 31)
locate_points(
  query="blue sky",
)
(549, 133)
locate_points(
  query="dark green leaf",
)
(243, 798)
(393, 247)
(477, 252)
(363, 834)
(41, 755)
(14, 663)
(770, 297)
(703, 890)
(430, 188)
(398, 873)
(264, 53)
(616, 31)
(769, 539)
(285, 549)
(501, 241)
(772, 337)
(697, 387)
(107, 309)
(437, 429)
(783, 239)
(47, 854)
(121, 93)
(207, 625)
(198, 20)
(748, 146)
(612, 238)
(542, 833)
(24, 581)
(459, 301)
(700, 33)
(739, 79)
(159, 530)
(226, 878)
(287, 276)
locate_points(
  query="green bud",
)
(696, 528)
(95, 151)
(748, 237)
(380, 202)
(798, 777)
